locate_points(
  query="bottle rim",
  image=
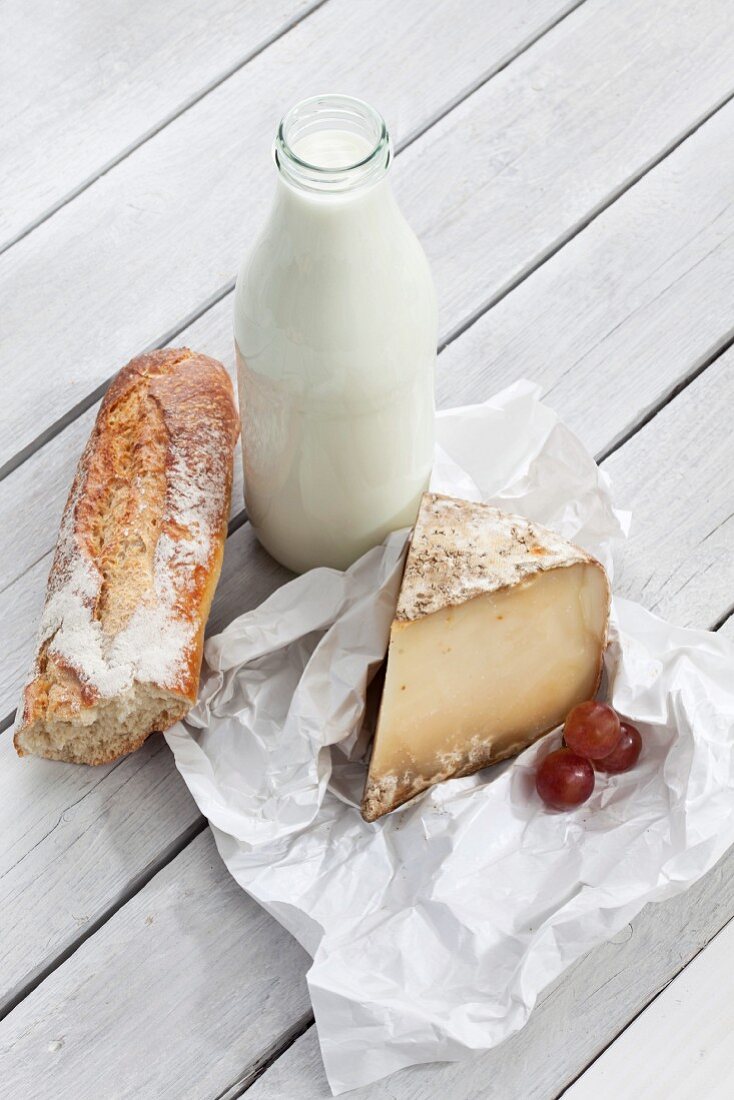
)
(332, 111)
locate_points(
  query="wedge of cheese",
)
(500, 629)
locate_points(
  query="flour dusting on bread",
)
(137, 560)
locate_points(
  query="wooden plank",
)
(164, 1001)
(153, 239)
(574, 1017)
(249, 575)
(613, 323)
(83, 839)
(689, 409)
(569, 124)
(677, 476)
(681, 1044)
(83, 83)
(626, 311)
(42, 482)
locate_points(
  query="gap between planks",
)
(134, 887)
(240, 1087)
(632, 1019)
(242, 1084)
(187, 104)
(581, 225)
(91, 399)
(720, 623)
(247, 1079)
(720, 349)
(97, 394)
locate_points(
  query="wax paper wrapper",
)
(433, 930)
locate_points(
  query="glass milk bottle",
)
(335, 330)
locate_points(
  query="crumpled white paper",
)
(434, 929)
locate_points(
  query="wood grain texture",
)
(568, 124)
(683, 558)
(680, 1047)
(159, 234)
(574, 1019)
(82, 839)
(677, 475)
(627, 310)
(198, 960)
(166, 1000)
(83, 82)
(42, 481)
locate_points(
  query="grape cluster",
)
(594, 737)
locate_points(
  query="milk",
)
(335, 330)
(332, 148)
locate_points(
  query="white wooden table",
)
(569, 168)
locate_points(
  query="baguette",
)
(136, 564)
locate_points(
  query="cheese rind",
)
(500, 630)
(461, 549)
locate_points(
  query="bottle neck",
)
(332, 146)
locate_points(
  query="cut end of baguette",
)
(106, 731)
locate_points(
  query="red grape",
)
(625, 755)
(564, 779)
(592, 729)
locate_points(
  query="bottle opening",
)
(332, 143)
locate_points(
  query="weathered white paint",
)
(680, 1047)
(530, 156)
(167, 1000)
(154, 238)
(73, 843)
(612, 323)
(211, 961)
(677, 475)
(82, 82)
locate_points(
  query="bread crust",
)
(137, 560)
